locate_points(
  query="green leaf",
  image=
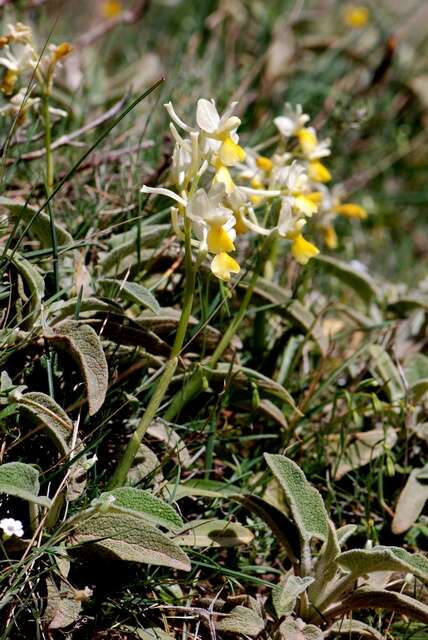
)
(363, 285)
(35, 285)
(305, 502)
(43, 409)
(326, 565)
(151, 508)
(350, 628)
(214, 533)
(41, 224)
(361, 562)
(22, 480)
(411, 501)
(382, 599)
(130, 538)
(145, 463)
(242, 620)
(83, 344)
(130, 291)
(361, 448)
(292, 629)
(67, 308)
(386, 372)
(203, 488)
(416, 373)
(285, 594)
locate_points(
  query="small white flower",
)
(11, 527)
(292, 121)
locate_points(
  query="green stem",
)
(48, 141)
(122, 469)
(195, 385)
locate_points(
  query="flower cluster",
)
(22, 63)
(238, 183)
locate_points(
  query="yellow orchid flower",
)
(223, 265)
(111, 8)
(351, 210)
(330, 237)
(230, 152)
(307, 139)
(318, 172)
(265, 164)
(219, 240)
(302, 250)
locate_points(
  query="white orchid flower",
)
(292, 121)
(221, 130)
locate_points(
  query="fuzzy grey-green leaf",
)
(305, 502)
(364, 561)
(84, 345)
(153, 509)
(411, 501)
(285, 594)
(214, 533)
(350, 628)
(41, 408)
(130, 538)
(132, 291)
(242, 620)
(21, 480)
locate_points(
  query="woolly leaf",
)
(143, 503)
(382, 599)
(351, 628)
(411, 500)
(35, 286)
(40, 224)
(214, 533)
(292, 629)
(386, 372)
(362, 448)
(363, 285)
(130, 291)
(285, 594)
(145, 463)
(21, 480)
(203, 488)
(81, 341)
(305, 502)
(364, 561)
(242, 620)
(130, 538)
(43, 409)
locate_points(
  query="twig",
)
(66, 139)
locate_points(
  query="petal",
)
(302, 250)
(305, 205)
(160, 191)
(307, 139)
(330, 237)
(231, 153)
(207, 116)
(319, 172)
(219, 240)
(223, 265)
(223, 176)
(351, 210)
(285, 125)
(171, 112)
